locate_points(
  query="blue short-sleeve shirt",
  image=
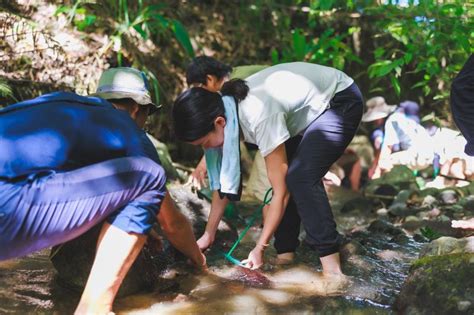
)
(64, 131)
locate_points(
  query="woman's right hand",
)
(205, 241)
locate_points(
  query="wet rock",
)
(250, 278)
(429, 192)
(448, 245)
(400, 207)
(448, 197)
(357, 205)
(420, 238)
(382, 212)
(384, 227)
(463, 306)
(412, 218)
(429, 201)
(352, 248)
(468, 204)
(441, 228)
(439, 285)
(400, 239)
(73, 260)
(443, 218)
(423, 215)
(401, 210)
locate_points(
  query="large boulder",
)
(441, 280)
(73, 260)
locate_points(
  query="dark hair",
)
(202, 66)
(129, 102)
(196, 109)
(237, 88)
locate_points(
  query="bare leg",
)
(355, 175)
(331, 265)
(111, 264)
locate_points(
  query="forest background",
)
(400, 50)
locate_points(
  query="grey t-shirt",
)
(284, 99)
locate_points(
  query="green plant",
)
(427, 40)
(327, 49)
(5, 89)
(429, 233)
(130, 20)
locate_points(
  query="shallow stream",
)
(377, 264)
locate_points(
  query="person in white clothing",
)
(302, 117)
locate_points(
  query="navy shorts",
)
(51, 208)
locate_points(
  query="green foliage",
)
(425, 40)
(5, 89)
(429, 233)
(327, 49)
(131, 19)
(419, 46)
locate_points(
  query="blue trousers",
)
(310, 156)
(50, 208)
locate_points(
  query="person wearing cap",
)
(69, 162)
(398, 138)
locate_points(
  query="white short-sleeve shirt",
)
(284, 99)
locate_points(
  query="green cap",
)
(124, 82)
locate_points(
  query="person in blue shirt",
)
(69, 162)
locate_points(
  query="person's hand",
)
(205, 241)
(255, 259)
(198, 177)
(201, 262)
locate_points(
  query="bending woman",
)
(301, 116)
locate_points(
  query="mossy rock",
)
(400, 177)
(448, 245)
(439, 285)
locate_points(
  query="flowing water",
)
(376, 263)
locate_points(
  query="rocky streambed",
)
(400, 254)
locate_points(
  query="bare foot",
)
(336, 283)
(283, 259)
(463, 224)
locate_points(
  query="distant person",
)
(69, 162)
(402, 141)
(462, 106)
(302, 117)
(455, 166)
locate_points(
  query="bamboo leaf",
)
(182, 36)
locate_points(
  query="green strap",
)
(256, 214)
